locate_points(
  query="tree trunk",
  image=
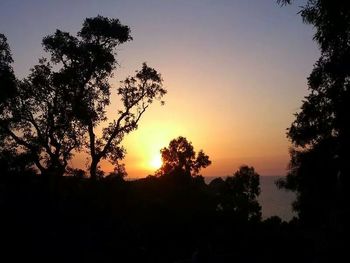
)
(93, 169)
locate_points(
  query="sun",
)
(156, 161)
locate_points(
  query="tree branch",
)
(30, 147)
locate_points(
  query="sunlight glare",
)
(156, 162)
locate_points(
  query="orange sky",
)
(235, 118)
(235, 72)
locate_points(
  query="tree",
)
(181, 159)
(89, 59)
(319, 168)
(59, 106)
(7, 80)
(20, 120)
(7, 92)
(7, 77)
(118, 174)
(35, 121)
(238, 194)
(137, 93)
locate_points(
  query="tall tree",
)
(7, 80)
(89, 61)
(7, 77)
(59, 106)
(8, 90)
(319, 168)
(35, 122)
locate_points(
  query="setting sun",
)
(156, 162)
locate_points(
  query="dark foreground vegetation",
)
(69, 219)
(172, 216)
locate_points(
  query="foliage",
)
(75, 172)
(238, 194)
(7, 77)
(110, 220)
(118, 174)
(57, 109)
(179, 158)
(137, 93)
(34, 119)
(320, 134)
(12, 163)
(90, 58)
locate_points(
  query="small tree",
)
(180, 158)
(7, 92)
(238, 194)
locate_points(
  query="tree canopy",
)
(238, 194)
(320, 133)
(56, 110)
(180, 158)
(7, 77)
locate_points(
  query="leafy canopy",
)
(180, 158)
(57, 109)
(320, 133)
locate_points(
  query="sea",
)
(274, 201)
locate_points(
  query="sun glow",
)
(156, 162)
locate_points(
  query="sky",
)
(235, 70)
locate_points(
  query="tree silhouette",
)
(34, 119)
(90, 58)
(59, 106)
(238, 194)
(7, 92)
(136, 93)
(87, 61)
(118, 174)
(179, 158)
(319, 168)
(7, 77)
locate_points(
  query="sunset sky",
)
(235, 71)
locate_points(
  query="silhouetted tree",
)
(15, 118)
(238, 194)
(7, 92)
(7, 77)
(58, 108)
(34, 119)
(13, 163)
(137, 93)
(181, 159)
(118, 174)
(319, 168)
(89, 59)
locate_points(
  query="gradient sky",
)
(235, 71)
